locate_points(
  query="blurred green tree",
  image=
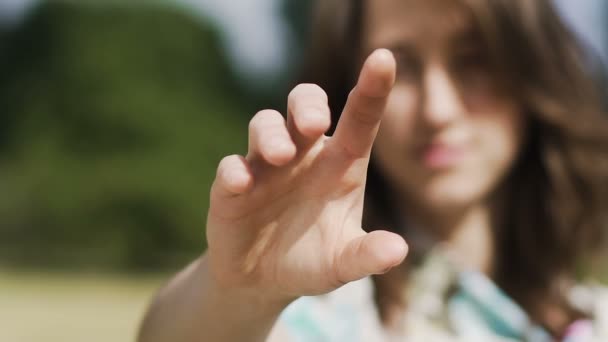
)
(113, 120)
(297, 15)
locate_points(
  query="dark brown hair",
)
(550, 218)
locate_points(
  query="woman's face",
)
(450, 132)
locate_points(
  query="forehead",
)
(390, 22)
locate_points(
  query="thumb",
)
(373, 253)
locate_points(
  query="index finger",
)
(360, 119)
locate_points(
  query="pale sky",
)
(256, 37)
(254, 29)
(590, 18)
(12, 10)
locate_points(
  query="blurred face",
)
(450, 133)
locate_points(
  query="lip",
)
(436, 156)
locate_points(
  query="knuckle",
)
(298, 91)
(263, 118)
(253, 123)
(364, 118)
(364, 111)
(226, 163)
(266, 124)
(307, 91)
(257, 121)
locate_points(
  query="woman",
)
(490, 161)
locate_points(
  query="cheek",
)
(497, 136)
(480, 92)
(497, 125)
(499, 139)
(495, 129)
(393, 145)
(495, 145)
(398, 121)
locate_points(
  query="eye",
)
(472, 70)
(472, 60)
(408, 66)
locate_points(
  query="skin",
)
(285, 220)
(450, 132)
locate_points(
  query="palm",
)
(288, 218)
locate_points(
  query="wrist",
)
(248, 300)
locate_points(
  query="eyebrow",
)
(463, 36)
(402, 47)
(468, 37)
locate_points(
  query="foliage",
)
(112, 122)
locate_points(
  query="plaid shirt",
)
(444, 305)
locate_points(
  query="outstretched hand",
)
(286, 219)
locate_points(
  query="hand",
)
(285, 221)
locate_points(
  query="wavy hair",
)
(550, 215)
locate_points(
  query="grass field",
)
(67, 307)
(54, 307)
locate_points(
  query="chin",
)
(452, 193)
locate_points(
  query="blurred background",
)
(113, 117)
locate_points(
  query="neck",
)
(466, 231)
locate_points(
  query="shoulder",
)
(346, 314)
(593, 300)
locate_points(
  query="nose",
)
(441, 100)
